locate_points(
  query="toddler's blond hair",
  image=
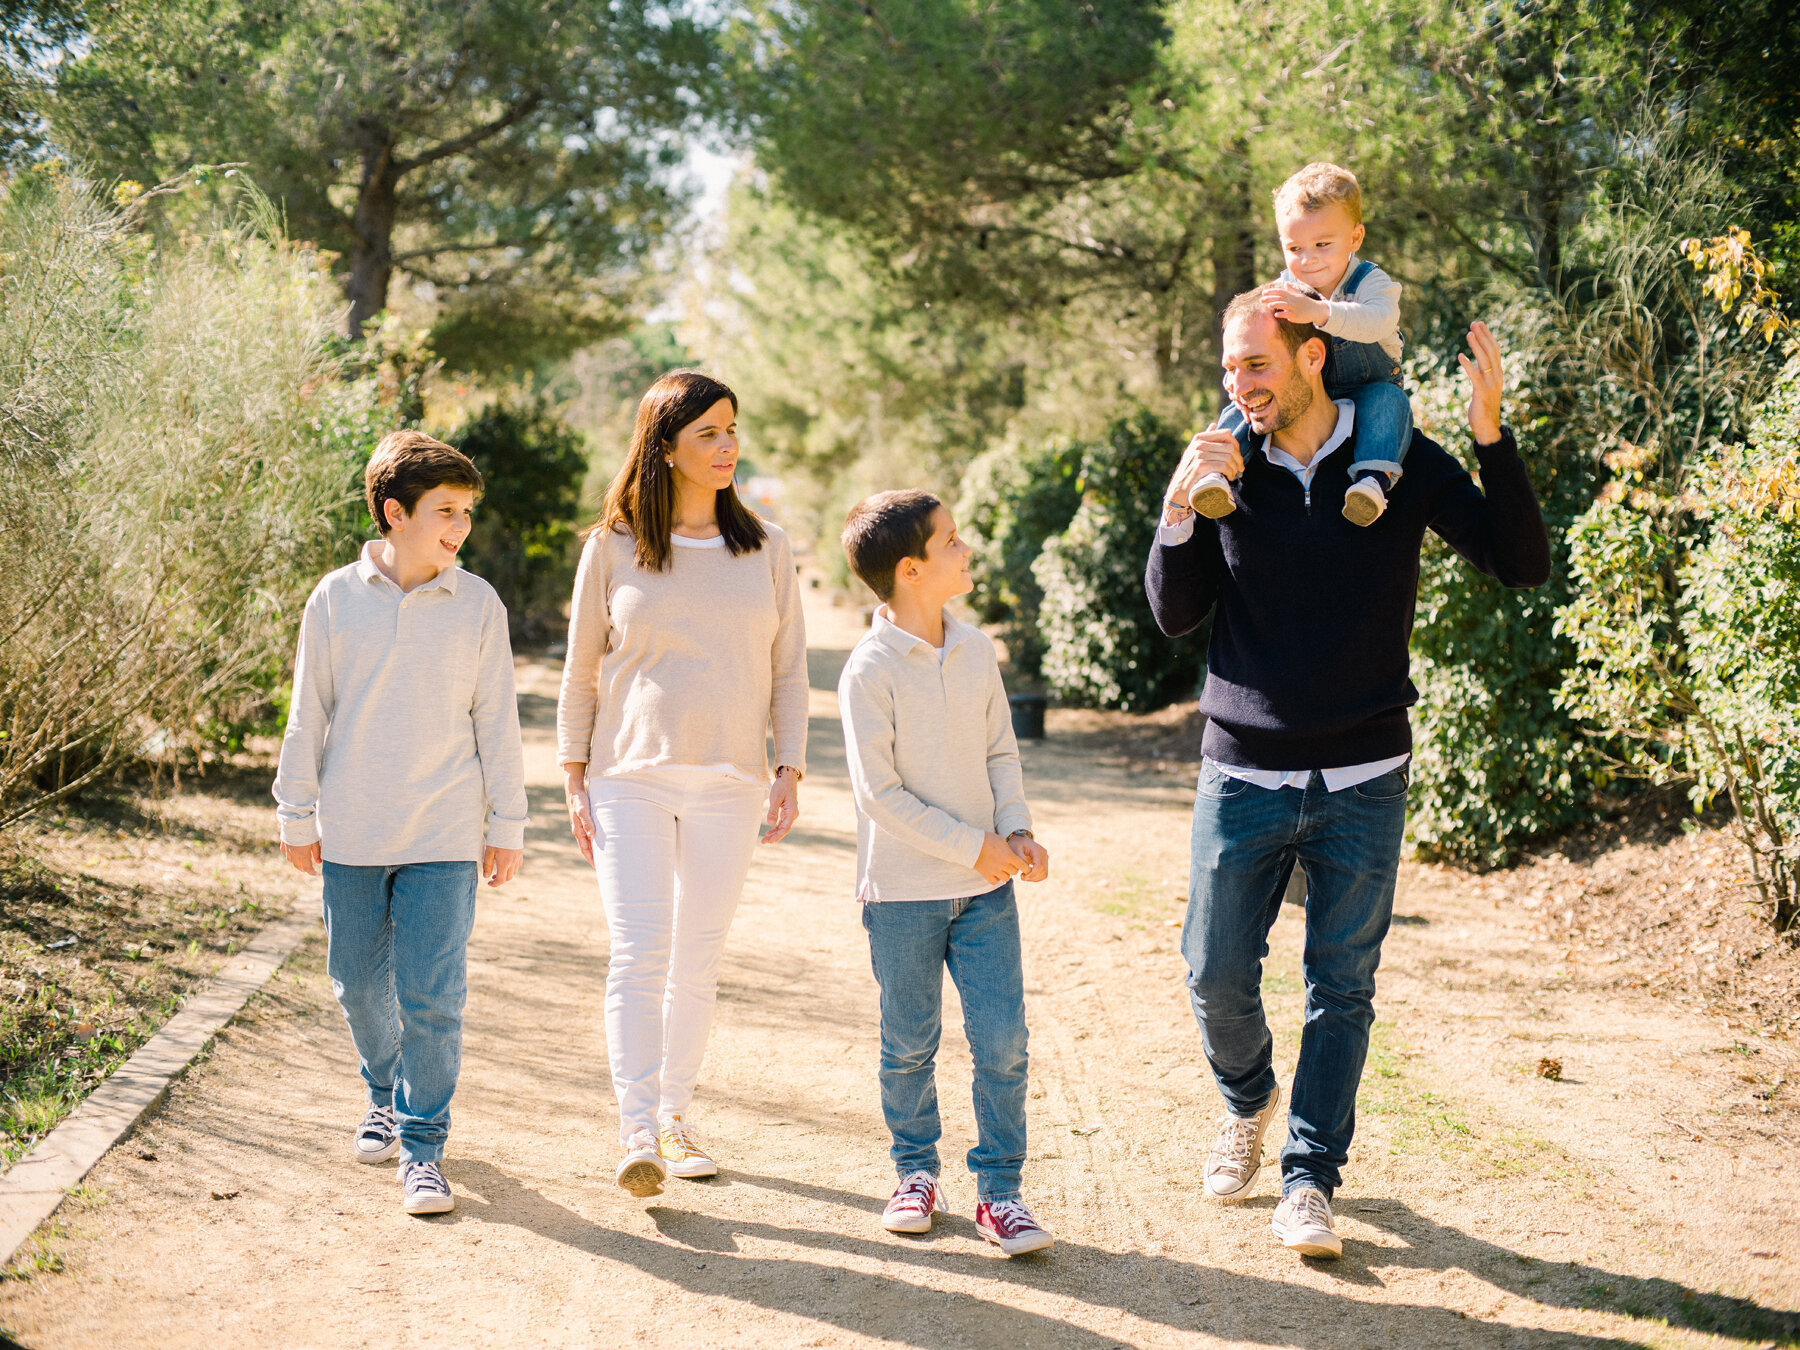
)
(1320, 185)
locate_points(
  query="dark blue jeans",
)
(911, 942)
(1246, 842)
(397, 954)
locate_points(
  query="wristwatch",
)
(1021, 834)
(788, 768)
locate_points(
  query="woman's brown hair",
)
(642, 495)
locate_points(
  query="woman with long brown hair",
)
(686, 645)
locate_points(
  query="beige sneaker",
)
(1211, 496)
(682, 1151)
(1236, 1154)
(1303, 1223)
(1364, 501)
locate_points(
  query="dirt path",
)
(1645, 1199)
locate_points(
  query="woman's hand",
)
(784, 805)
(1484, 383)
(580, 824)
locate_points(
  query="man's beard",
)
(1292, 401)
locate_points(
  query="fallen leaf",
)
(226, 1195)
(1084, 1130)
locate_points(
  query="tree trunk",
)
(372, 256)
(1233, 244)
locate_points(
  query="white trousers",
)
(672, 848)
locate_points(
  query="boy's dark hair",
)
(883, 529)
(408, 464)
(1293, 335)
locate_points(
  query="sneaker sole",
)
(380, 1157)
(694, 1170)
(1238, 1196)
(1360, 510)
(1020, 1246)
(908, 1224)
(1331, 1250)
(1213, 501)
(641, 1178)
(431, 1204)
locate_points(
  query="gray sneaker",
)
(378, 1137)
(1236, 1154)
(424, 1190)
(1303, 1223)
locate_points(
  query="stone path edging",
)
(31, 1191)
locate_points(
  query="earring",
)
(669, 462)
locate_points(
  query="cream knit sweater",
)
(688, 667)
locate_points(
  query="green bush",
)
(175, 436)
(1687, 633)
(525, 536)
(1012, 503)
(1102, 646)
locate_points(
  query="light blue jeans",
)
(397, 955)
(1366, 375)
(1246, 841)
(911, 942)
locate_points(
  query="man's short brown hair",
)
(408, 464)
(1318, 186)
(885, 529)
(1293, 335)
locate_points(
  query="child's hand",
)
(997, 861)
(1291, 303)
(1033, 855)
(306, 857)
(501, 865)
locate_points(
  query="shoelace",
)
(1311, 1206)
(426, 1177)
(379, 1122)
(1238, 1136)
(913, 1191)
(1011, 1214)
(676, 1134)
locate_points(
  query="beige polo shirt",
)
(402, 741)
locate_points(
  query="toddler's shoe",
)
(1211, 496)
(1364, 501)
(1303, 1223)
(1009, 1226)
(378, 1137)
(914, 1201)
(423, 1189)
(1237, 1153)
(682, 1151)
(642, 1170)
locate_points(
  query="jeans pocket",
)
(1215, 782)
(1386, 789)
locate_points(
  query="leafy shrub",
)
(1687, 633)
(524, 540)
(1012, 503)
(1102, 646)
(174, 438)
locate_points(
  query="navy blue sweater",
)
(1308, 666)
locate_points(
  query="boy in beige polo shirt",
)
(941, 830)
(401, 777)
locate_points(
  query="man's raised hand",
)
(1485, 380)
(1211, 451)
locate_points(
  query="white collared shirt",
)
(402, 740)
(1337, 779)
(933, 764)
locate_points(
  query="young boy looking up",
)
(941, 830)
(402, 750)
(1318, 214)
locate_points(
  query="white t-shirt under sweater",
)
(685, 668)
